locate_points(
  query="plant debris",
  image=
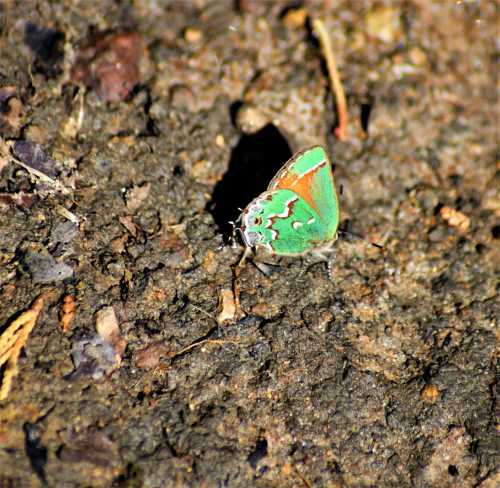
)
(13, 339)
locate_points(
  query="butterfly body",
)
(299, 212)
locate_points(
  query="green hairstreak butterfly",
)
(299, 211)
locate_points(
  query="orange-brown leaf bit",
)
(12, 341)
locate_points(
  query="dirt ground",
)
(131, 134)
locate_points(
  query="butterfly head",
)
(253, 225)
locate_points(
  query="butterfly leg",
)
(266, 269)
(322, 254)
(329, 267)
(325, 255)
(246, 253)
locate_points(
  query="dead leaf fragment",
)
(13, 340)
(128, 223)
(455, 218)
(109, 331)
(227, 307)
(68, 309)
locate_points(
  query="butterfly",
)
(299, 211)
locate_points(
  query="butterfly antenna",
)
(357, 236)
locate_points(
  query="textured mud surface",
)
(155, 121)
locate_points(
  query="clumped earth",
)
(133, 131)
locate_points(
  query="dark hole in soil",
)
(452, 470)
(258, 453)
(254, 161)
(480, 248)
(46, 44)
(438, 208)
(365, 112)
(292, 6)
(36, 452)
(178, 170)
(495, 231)
(233, 111)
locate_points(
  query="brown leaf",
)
(13, 340)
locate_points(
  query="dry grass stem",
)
(333, 73)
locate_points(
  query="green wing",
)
(283, 223)
(309, 174)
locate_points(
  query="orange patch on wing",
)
(302, 186)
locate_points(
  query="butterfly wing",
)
(309, 175)
(282, 222)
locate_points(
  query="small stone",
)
(112, 64)
(193, 35)
(383, 22)
(45, 269)
(430, 393)
(136, 195)
(35, 133)
(13, 113)
(63, 232)
(251, 119)
(150, 356)
(455, 218)
(92, 357)
(203, 172)
(418, 57)
(260, 309)
(180, 258)
(295, 18)
(220, 141)
(181, 97)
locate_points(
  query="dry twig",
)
(333, 73)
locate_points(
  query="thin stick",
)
(200, 343)
(353, 234)
(4, 151)
(333, 73)
(237, 289)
